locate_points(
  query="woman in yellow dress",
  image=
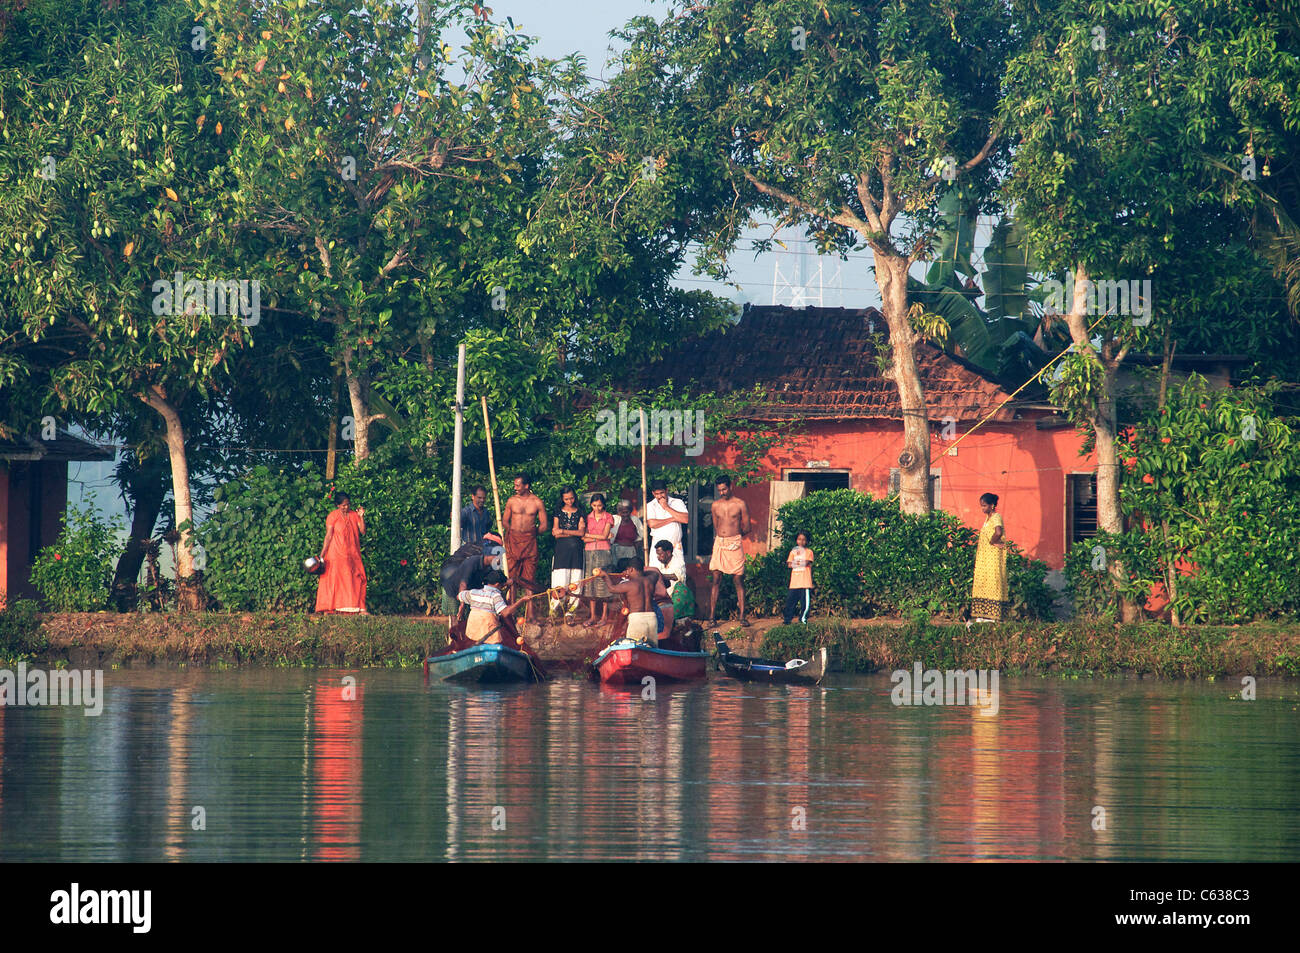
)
(989, 599)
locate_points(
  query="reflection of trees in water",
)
(707, 771)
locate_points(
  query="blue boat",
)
(483, 664)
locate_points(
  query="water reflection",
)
(285, 766)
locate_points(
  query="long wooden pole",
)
(496, 496)
(456, 451)
(645, 508)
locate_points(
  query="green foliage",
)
(1210, 490)
(1211, 481)
(1093, 590)
(74, 574)
(1070, 649)
(872, 559)
(20, 630)
(268, 522)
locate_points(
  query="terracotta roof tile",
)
(821, 362)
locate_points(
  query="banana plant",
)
(999, 336)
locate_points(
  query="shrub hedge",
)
(75, 573)
(872, 559)
(268, 522)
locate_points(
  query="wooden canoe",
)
(795, 672)
(483, 664)
(626, 663)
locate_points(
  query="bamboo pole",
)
(496, 495)
(456, 450)
(449, 605)
(645, 508)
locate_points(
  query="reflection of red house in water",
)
(33, 496)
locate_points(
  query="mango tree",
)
(1115, 195)
(380, 166)
(110, 247)
(849, 122)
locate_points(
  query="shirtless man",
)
(730, 526)
(637, 587)
(525, 517)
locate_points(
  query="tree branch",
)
(845, 217)
(979, 157)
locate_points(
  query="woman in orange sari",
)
(343, 583)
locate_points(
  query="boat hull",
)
(627, 663)
(769, 672)
(483, 665)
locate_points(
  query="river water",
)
(275, 764)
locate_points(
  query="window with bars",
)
(815, 480)
(1081, 506)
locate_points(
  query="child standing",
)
(799, 600)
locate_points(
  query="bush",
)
(872, 559)
(20, 629)
(268, 522)
(1210, 488)
(74, 574)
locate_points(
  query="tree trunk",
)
(1171, 570)
(1110, 516)
(359, 397)
(914, 461)
(332, 448)
(146, 489)
(189, 585)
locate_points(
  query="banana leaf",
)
(956, 240)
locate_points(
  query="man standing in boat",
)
(637, 587)
(730, 527)
(524, 518)
(465, 568)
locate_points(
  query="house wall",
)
(19, 480)
(1026, 467)
(4, 534)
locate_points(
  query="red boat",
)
(626, 663)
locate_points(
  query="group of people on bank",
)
(599, 560)
(599, 557)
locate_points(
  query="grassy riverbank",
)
(219, 639)
(1067, 649)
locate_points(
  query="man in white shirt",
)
(665, 516)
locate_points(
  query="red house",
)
(33, 496)
(818, 367)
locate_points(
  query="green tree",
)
(106, 193)
(850, 123)
(1114, 107)
(382, 169)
